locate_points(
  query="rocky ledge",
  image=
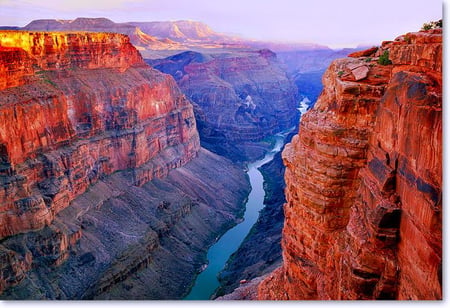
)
(364, 180)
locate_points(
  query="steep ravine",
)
(208, 281)
(260, 251)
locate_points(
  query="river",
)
(206, 282)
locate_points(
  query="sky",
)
(336, 23)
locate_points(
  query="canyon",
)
(363, 217)
(123, 159)
(240, 94)
(239, 98)
(82, 106)
(105, 122)
(102, 173)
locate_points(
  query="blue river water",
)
(206, 282)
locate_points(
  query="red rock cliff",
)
(75, 107)
(364, 181)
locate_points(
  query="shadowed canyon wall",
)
(239, 98)
(363, 180)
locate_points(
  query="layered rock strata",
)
(364, 181)
(76, 107)
(239, 98)
(121, 241)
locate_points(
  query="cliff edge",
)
(75, 108)
(364, 180)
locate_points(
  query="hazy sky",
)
(331, 22)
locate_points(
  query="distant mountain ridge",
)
(137, 37)
(181, 30)
(159, 39)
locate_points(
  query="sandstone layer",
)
(364, 181)
(239, 97)
(76, 107)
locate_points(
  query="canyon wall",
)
(125, 242)
(363, 217)
(76, 107)
(239, 98)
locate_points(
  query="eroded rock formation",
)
(239, 98)
(121, 241)
(364, 175)
(76, 107)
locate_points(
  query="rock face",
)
(121, 241)
(364, 175)
(239, 97)
(306, 66)
(74, 108)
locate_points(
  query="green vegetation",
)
(43, 75)
(50, 82)
(340, 73)
(368, 59)
(432, 25)
(384, 58)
